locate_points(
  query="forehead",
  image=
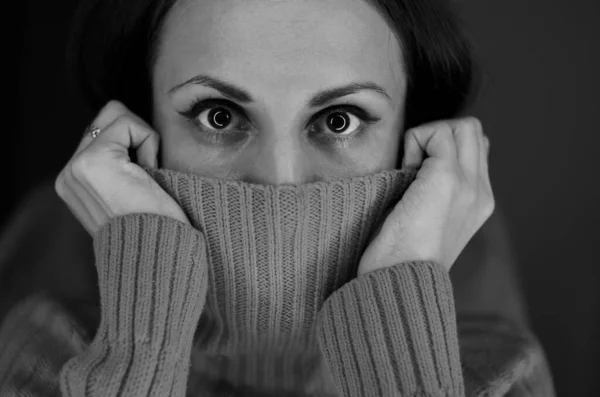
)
(314, 42)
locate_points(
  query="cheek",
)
(381, 154)
(173, 153)
(179, 150)
(382, 150)
(365, 159)
(170, 143)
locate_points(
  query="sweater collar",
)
(275, 254)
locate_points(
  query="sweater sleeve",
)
(152, 280)
(394, 332)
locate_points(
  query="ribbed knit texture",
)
(359, 323)
(275, 253)
(152, 294)
(258, 298)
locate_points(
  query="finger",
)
(86, 139)
(413, 154)
(485, 159)
(126, 133)
(482, 152)
(106, 116)
(487, 144)
(431, 140)
(468, 145)
(74, 203)
(86, 190)
(147, 152)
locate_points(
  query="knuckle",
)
(445, 128)
(472, 124)
(111, 111)
(155, 136)
(489, 205)
(123, 121)
(80, 166)
(444, 131)
(470, 196)
(59, 185)
(411, 133)
(115, 105)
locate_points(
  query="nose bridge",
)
(280, 159)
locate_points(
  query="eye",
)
(342, 122)
(217, 116)
(221, 119)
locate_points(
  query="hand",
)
(101, 182)
(450, 199)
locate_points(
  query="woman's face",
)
(278, 91)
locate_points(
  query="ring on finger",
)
(93, 131)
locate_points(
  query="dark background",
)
(539, 106)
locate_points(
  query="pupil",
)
(337, 122)
(219, 118)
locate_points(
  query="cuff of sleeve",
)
(153, 279)
(393, 331)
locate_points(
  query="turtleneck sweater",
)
(259, 297)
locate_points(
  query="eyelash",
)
(200, 105)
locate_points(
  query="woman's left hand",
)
(450, 199)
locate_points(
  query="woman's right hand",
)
(101, 181)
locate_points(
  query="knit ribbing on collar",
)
(275, 254)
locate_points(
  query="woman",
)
(252, 235)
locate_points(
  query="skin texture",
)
(281, 53)
(439, 213)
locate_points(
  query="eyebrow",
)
(319, 99)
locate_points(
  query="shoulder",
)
(42, 316)
(37, 337)
(501, 357)
(44, 248)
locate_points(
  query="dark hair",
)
(113, 45)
